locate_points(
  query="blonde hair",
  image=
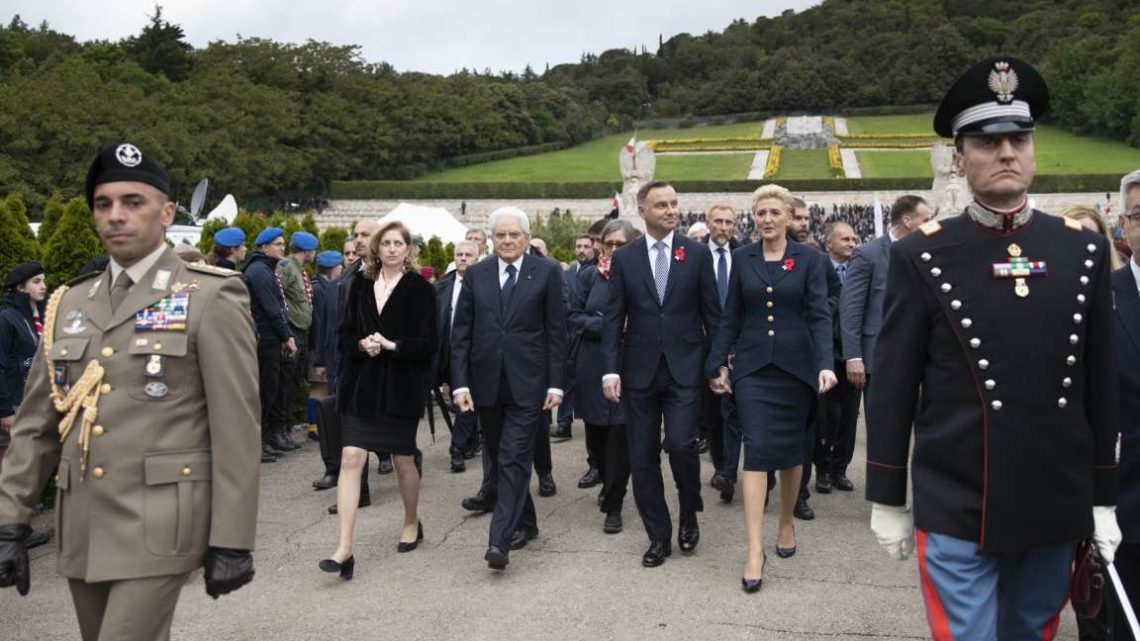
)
(777, 192)
(372, 263)
(1082, 212)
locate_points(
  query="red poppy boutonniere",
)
(789, 264)
(679, 254)
(604, 268)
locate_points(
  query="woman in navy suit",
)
(773, 353)
(605, 421)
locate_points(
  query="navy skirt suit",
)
(778, 323)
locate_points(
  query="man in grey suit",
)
(861, 303)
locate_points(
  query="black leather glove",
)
(14, 558)
(227, 570)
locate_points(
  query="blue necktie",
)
(841, 270)
(722, 276)
(508, 288)
(661, 271)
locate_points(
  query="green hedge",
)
(395, 189)
(503, 154)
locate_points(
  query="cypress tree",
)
(19, 213)
(53, 211)
(73, 243)
(206, 240)
(334, 238)
(15, 247)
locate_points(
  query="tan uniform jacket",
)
(174, 458)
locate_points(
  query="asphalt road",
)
(573, 582)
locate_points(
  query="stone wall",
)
(346, 212)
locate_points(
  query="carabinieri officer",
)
(158, 463)
(997, 341)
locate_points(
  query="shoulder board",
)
(83, 277)
(211, 269)
(930, 228)
(1073, 224)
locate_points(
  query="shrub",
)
(16, 248)
(773, 166)
(53, 211)
(73, 243)
(19, 213)
(206, 240)
(334, 238)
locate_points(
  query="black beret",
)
(21, 273)
(995, 96)
(124, 162)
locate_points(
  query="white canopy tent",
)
(427, 222)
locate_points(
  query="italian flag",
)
(632, 144)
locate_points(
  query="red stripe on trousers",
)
(935, 613)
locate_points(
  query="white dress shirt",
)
(713, 247)
(1135, 272)
(650, 241)
(455, 289)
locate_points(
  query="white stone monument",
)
(636, 169)
(949, 193)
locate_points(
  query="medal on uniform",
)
(156, 389)
(154, 366)
(168, 314)
(1020, 269)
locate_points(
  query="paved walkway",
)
(572, 583)
(759, 164)
(851, 167)
(769, 130)
(841, 126)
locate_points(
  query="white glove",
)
(894, 530)
(1106, 533)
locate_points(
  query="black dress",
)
(382, 397)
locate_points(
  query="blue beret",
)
(304, 241)
(330, 258)
(229, 237)
(268, 235)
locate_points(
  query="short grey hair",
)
(1127, 184)
(624, 226)
(510, 212)
(474, 246)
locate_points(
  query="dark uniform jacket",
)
(323, 331)
(1017, 397)
(18, 341)
(1128, 360)
(267, 301)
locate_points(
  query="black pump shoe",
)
(345, 567)
(753, 585)
(408, 547)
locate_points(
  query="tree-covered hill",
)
(273, 121)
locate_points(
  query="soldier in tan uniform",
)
(158, 461)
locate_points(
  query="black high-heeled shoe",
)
(753, 585)
(345, 567)
(408, 547)
(785, 553)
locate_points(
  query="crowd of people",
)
(758, 343)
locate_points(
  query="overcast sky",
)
(437, 36)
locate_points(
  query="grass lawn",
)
(597, 160)
(895, 164)
(910, 123)
(810, 163)
(704, 166)
(1060, 152)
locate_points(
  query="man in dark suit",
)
(464, 433)
(998, 332)
(861, 305)
(719, 412)
(839, 407)
(508, 359)
(662, 312)
(584, 257)
(1126, 292)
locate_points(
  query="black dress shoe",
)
(408, 547)
(345, 567)
(328, 481)
(688, 534)
(785, 553)
(561, 433)
(702, 445)
(267, 455)
(385, 466)
(38, 538)
(267, 446)
(823, 483)
(479, 503)
(656, 554)
(613, 522)
(521, 537)
(496, 558)
(843, 483)
(281, 441)
(803, 511)
(591, 478)
(365, 501)
(725, 486)
(546, 486)
(457, 463)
